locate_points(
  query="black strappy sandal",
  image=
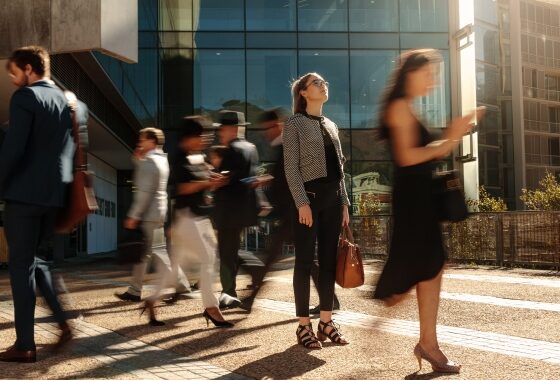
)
(334, 335)
(307, 338)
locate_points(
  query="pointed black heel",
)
(208, 317)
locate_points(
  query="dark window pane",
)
(175, 15)
(218, 15)
(374, 16)
(219, 40)
(369, 71)
(374, 41)
(271, 15)
(423, 16)
(321, 15)
(147, 40)
(140, 83)
(177, 84)
(371, 181)
(487, 84)
(333, 66)
(219, 80)
(269, 73)
(320, 40)
(487, 44)
(147, 15)
(272, 40)
(366, 146)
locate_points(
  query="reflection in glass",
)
(487, 44)
(487, 84)
(369, 71)
(219, 80)
(177, 82)
(323, 15)
(367, 147)
(269, 73)
(271, 15)
(175, 15)
(147, 15)
(374, 16)
(371, 187)
(218, 15)
(333, 66)
(423, 16)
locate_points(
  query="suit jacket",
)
(236, 203)
(304, 155)
(36, 154)
(150, 179)
(280, 196)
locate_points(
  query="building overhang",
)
(64, 26)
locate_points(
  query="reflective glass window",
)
(371, 183)
(219, 15)
(333, 66)
(271, 40)
(219, 80)
(176, 85)
(369, 71)
(147, 15)
(178, 40)
(219, 40)
(487, 84)
(176, 15)
(320, 41)
(374, 40)
(271, 15)
(140, 87)
(269, 73)
(323, 15)
(366, 146)
(486, 10)
(424, 40)
(374, 16)
(424, 16)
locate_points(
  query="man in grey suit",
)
(35, 168)
(149, 207)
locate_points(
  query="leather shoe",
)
(317, 309)
(17, 356)
(65, 336)
(126, 296)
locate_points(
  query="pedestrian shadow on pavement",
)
(283, 365)
(427, 376)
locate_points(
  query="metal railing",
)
(524, 238)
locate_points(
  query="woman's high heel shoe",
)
(151, 312)
(448, 367)
(216, 322)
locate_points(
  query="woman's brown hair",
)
(299, 104)
(409, 61)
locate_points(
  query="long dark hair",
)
(299, 104)
(409, 61)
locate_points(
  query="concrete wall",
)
(64, 26)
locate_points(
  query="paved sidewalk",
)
(125, 355)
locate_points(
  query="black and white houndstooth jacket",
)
(304, 155)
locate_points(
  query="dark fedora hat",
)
(227, 117)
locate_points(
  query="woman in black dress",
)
(416, 256)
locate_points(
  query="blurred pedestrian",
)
(313, 161)
(236, 205)
(193, 237)
(35, 168)
(149, 209)
(416, 256)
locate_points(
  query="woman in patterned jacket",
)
(313, 163)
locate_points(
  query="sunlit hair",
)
(409, 61)
(299, 104)
(35, 56)
(154, 134)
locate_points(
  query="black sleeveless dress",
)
(416, 253)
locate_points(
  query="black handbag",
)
(449, 197)
(132, 247)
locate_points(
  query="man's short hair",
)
(35, 56)
(154, 134)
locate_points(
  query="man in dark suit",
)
(236, 205)
(35, 168)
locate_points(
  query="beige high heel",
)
(448, 367)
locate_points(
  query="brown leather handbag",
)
(81, 197)
(349, 267)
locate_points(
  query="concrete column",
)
(517, 100)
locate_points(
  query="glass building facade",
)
(203, 56)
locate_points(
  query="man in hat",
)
(235, 205)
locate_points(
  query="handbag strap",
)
(346, 234)
(80, 160)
